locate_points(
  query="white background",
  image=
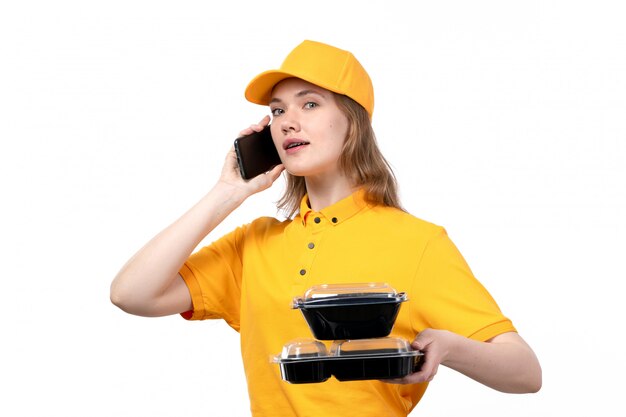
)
(504, 122)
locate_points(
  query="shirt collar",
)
(336, 213)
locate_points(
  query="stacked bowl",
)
(358, 318)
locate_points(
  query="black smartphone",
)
(256, 153)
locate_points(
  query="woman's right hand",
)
(230, 172)
(149, 284)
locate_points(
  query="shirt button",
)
(302, 271)
(334, 220)
(317, 220)
(311, 245)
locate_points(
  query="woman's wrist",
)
(228, 194)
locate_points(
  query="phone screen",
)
(256, 153)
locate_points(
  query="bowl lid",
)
(310, 350)
(377, 346)
(344, 294)
(303, 348)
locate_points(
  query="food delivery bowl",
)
(305, 361)
(373, 359)
(350, 311)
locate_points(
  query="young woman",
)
(345, 225)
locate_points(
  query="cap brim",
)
(259, 90)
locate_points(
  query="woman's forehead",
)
(291, 87)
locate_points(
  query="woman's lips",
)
(293, 145)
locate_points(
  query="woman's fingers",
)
(255, 127)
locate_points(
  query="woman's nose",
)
(289, 124)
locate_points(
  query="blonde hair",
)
(361, 161)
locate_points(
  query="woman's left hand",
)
(505, 362)
(435, 344)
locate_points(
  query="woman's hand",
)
(435, 344)
(505, 362)
(230, 172)
(149, 284)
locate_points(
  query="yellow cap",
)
(323, 65)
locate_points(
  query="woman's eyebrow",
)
(307, 92)
(299, 94)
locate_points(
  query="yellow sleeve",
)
(446, 295)
(213, 275)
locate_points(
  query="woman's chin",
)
(297, 171)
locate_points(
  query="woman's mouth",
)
(294, 144)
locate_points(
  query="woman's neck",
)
(324, 192)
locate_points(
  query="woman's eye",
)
(277, 112)
(310, 105)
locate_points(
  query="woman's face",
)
(308, 128)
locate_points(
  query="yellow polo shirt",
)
(250, 276)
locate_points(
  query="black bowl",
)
(350, 360)
(358, 320)
(299, 371)
(375, 365)
(351, 311)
